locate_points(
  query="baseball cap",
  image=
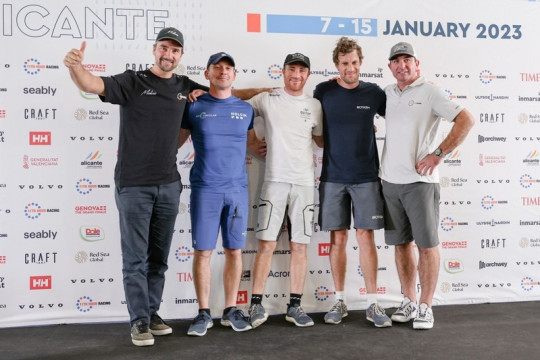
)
(297, 58)
(401, 48)
(171, 34)
(217, 57)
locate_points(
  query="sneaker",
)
(158, 326)
(375, 313)
(298, 316)
(140, 334)
(257, 315)
(336, 313)
(235, 318)
(424, 319)
(406, 311)
(200, 324)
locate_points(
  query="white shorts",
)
(278, 197)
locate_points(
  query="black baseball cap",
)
(297, 58)
(171, 34)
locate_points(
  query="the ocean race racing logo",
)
(183, 254)
(322, 293)
(274, 71)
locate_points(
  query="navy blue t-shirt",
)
(151, 110)
(350, 149)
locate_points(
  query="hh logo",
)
(40, 138)
(40, 282)
(242, 297)
(324, 249)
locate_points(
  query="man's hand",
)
(192, 97)
(428, 164)
(75, 56)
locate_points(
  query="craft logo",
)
(324, 249)
(40, 114)
(275, 71)
(39, 161)
(187, 161)
(492, 264)
(40, 258)
(492, 118)
(95, 67)
(525, 118)
(453, 266)
(381, 290)
(138, 66)
(488, 202)
(183, 254)
(491, 159)
(493, 243)
(322, 293)
(530, 201)
(85, 304)
(450, 95)
(487, 77)
(447, 287)
(526, 181)
(34, 210)
(532, 158)
(43, 282)
(85, 186)
(454, 244)
(92, 161)
(242, 297)
(452, 159)
(527, 283)
(92, 233)
(33, 66)
(446, 181)
(40, 137)
(90, 209)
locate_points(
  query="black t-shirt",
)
(151, 110)
(350, 149)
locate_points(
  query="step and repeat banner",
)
(60, 259)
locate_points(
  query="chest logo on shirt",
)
(363, 107)
(305, 114)
(204, 115)
(238, 115)
(150, 92)
(181, 97)
(412, 102)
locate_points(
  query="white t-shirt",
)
(289, 123)
(413, 117)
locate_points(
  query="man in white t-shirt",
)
(410, 177)
(291, 121)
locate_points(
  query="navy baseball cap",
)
(217, 57)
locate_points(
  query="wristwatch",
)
(439, 153)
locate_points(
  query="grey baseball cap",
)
(401, 48)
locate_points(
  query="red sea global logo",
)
(274, 71)
(43, 282)
(324, 249)
(453, 266)
(92, 233)
(40, 137)
(322, 293)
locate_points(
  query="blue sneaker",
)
(298, 316)
(375, 313)
(235, 318)
(257, 315)
(336, 313)
(200, 324)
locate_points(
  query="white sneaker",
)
(406, 311)
(424, 319)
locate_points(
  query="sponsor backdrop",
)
(60, 258)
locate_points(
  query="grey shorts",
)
(411, 213)
(336, 202)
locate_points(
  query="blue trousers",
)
(147, 218)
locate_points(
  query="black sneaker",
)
(140, 334)
(158, 326)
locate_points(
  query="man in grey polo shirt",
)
(411, 154)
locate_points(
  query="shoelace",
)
(406, 309)
(337, 307)
(239, 315)
(378, 310)
(199, 319)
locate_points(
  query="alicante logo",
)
(527, 283)
(85, 304)
(183, 254)
(322, 293)
(274, 71)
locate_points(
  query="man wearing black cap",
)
(220, 126)
(410, 177)
(292, 120)
(147, 181)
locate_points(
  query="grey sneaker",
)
(200, 324)
(158, 326)
(235, 318)
(257, 315)
(336, 313)
(406, 311)
(375, 313)
(298, 316)
(424, 319)
(140, 334)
